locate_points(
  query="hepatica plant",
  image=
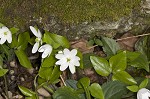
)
(57, 59)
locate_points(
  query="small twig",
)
(6, 89)
(4, 95)
(63, 80)
(133, 37)
(92, 47)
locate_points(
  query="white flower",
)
(38, 39)
(46, 49)
(5, 34)
(68, 58)
(143, 94)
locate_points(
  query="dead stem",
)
(6, 88)
(63, 80)
(133, 37)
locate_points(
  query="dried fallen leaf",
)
(127, 44)
(82, 46)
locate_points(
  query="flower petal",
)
(63, 67)
(77, 63)
(41, 49)
(59, 56)
(9, 38)
(74, 52)
(76, 58)
(35, 47)
(45, 54)
(66, 51)
(143, 94)
(39, 34)
(2, 41)
(72, 68)
(34, 31)
(61, 61)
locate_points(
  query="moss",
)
(89, 10)
(19, 12)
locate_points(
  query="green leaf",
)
(110, 46)
(83, 82)
(118, 62)
(132, 56)
(1, 25)
(133, 88)
(14, 42)
(79, 54)
(45, 72)
(143, 83)
(5, 49)
(32, 40)
(55, 74)
(65, 93)
(96, 91)
(26, 91)
(124, 77)
(100, 65)
(98, 42)
(71, 83)
(91, 42)
(3, 72)
(23, 39)
(41, 81)
(56, 40)
(86, 60)
(140, 62)
(33, 97)
(114, 89)
(1, 62)
(23, 59)
(143, 46)
(49, 61)
(14, 30)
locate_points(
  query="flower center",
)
(5, 33)
(68, 59)
(37, 40)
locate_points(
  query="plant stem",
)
(6, 88)
(133, 37)
(63, 80)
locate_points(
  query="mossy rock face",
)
(71, 18)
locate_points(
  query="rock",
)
(1, 97)
(84, 20)
(43, 92)
(10, 94)
(13, 64)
